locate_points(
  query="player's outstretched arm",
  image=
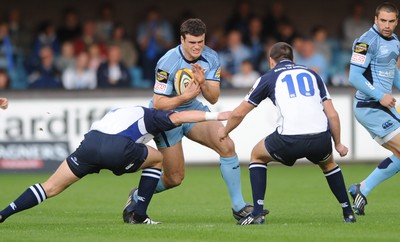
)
(3, 103)
(235, 119)
(334, 124)
(197, 116)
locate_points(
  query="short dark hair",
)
(193, 26)
(387, 7)
(281, 51)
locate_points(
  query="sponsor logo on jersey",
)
(361, 48)
(387, 124)
(162, 76)
(161, 87)
(358, 58)
(218, 73)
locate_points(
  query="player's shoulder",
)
(210, 54)
(169, 59)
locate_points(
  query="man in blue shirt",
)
(373, 72)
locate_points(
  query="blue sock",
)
(31, 197)
(147, 186)
(258, 179)
(386, 169)
(230, 171)
(335, 181)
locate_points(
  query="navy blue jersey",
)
(298, 93)
(139, 124)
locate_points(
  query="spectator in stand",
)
(216, 39)
(286, 32)
(71, 27)
(275, 15)
(119, 38)
(44, 75)
(7, 55)
(310, 57)
(154, 37)
(255, 41)
(113, 73)
(67, 57)
(46, 37)
(232, 56)
(264, 63)
(95, 57)
(240, 18)
(19, 34)
(4, 79)
(246, 77)
(354, 25)
(105, 22)
(341, 79)
(88, 38)
(79, 76)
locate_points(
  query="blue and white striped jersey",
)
(140, 124)
(298, 93)
(378, 55)
(174, 60)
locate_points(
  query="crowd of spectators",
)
(99, 53)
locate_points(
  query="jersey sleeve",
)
(164, 83)
(258, 92)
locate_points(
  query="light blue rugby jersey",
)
(378, 55)
(174, 60)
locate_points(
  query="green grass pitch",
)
(301, 204)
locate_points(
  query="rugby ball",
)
(182, 79)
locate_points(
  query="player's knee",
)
(174, 180)
(226, 148)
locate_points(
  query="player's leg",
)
(37, 193)
(172, 175)
(373, 121)
(386, 169)
(148, 181)
(334, 177)
(206, 134)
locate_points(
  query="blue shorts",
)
(104, 151)
(286, 149)
(378, 120)
(171, 137)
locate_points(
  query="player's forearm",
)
(210, 93)
(357, 79)
(169, 103)
(334, 125)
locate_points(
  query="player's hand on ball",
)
(192, 90)
(341, 149)
(198, 73)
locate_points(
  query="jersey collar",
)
(188, 61)
(375, 28)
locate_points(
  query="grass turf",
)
(301, 204)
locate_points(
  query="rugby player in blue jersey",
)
(204, 62)
(116, 143)
(373, 72)
(307, 122)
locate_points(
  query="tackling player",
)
(192, 53)
(116, 142)
(307, 121)
(373, 72)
